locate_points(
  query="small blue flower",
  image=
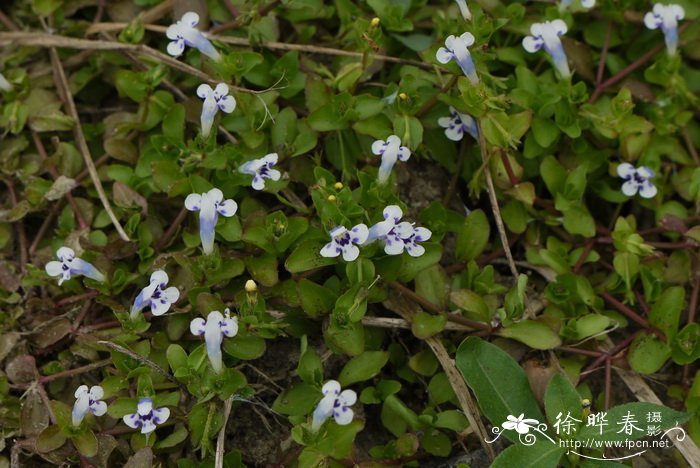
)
(464, 9)
(4, 84)
(457, 124)
(390, 151)
(261, 169)
(155, 295)
(457, 49)
(214, 99)
(88, 401)
(146, 417)
(68, 265)
(666, 17)
(637, 180)
(334, 403)
(547, 35)
(343, 241)
(184, 33)
(214, 329)
(398, 236)
(210, 205)
(565, 4)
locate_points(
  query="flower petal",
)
(532, 44)
(350, 252)
(359, 233)
(159, 277)
(81, 390)
(176, 48)
(227, 208)
(273, 174)
(347, 397)
(96, 392)
(415, 250)
(229, 326)
(172, 32)
(393, 245)
(393, 212)
(378, 146)
(147, 426)
(65, 253)
(221, 90)
(190, 18)
(455, 133)
(404, 230)
(193, 202)
(215, 195)
(54, 268)
(161, 415)
(258, 183)
(144, 406)
(645, 172)
(204, 90)
(629, 188)
(332, 387)
(343, 415)
(331, 249)
(626, 170)
(270, 159)
(651, 21)
(467, 38)
(98, 408)
(443, 55)
(81, 267)
(197, 326)
(647, 190)
(422, 234)
(227, 104)
(132, 420)
(559, 26)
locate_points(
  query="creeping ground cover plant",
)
(349, 233)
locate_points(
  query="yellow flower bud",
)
(331, 198)
(403, 96)
(338, 185)
(250, 286)
(375, 22)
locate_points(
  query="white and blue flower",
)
(68, 265)
(565, 4)
(637, 180)
(146, 416)
(214, 99)
(458, 124)
(156, 295)
(88, 401)
(343, 241)
(397, 236)
(214, 329)
(390, 151)
(185, 33)
(457, 49)
(210, 205)
(464, 10)
(666, 17)
(261, 169)
(547, 35)
(334, 403)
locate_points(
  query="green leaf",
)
(561, 397)
(545, 131)
(425, 325)
(177, 357)
(647, 353)
(307, 256)
(363, 367)
(473, 236)
(665, 314)
(539, 455)
(50, 439)
(86, 443)
(246, 347)
(297, 400)
(535, 334)
(471, 302)
(485, 367)
(411, 266)
(315, 299)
